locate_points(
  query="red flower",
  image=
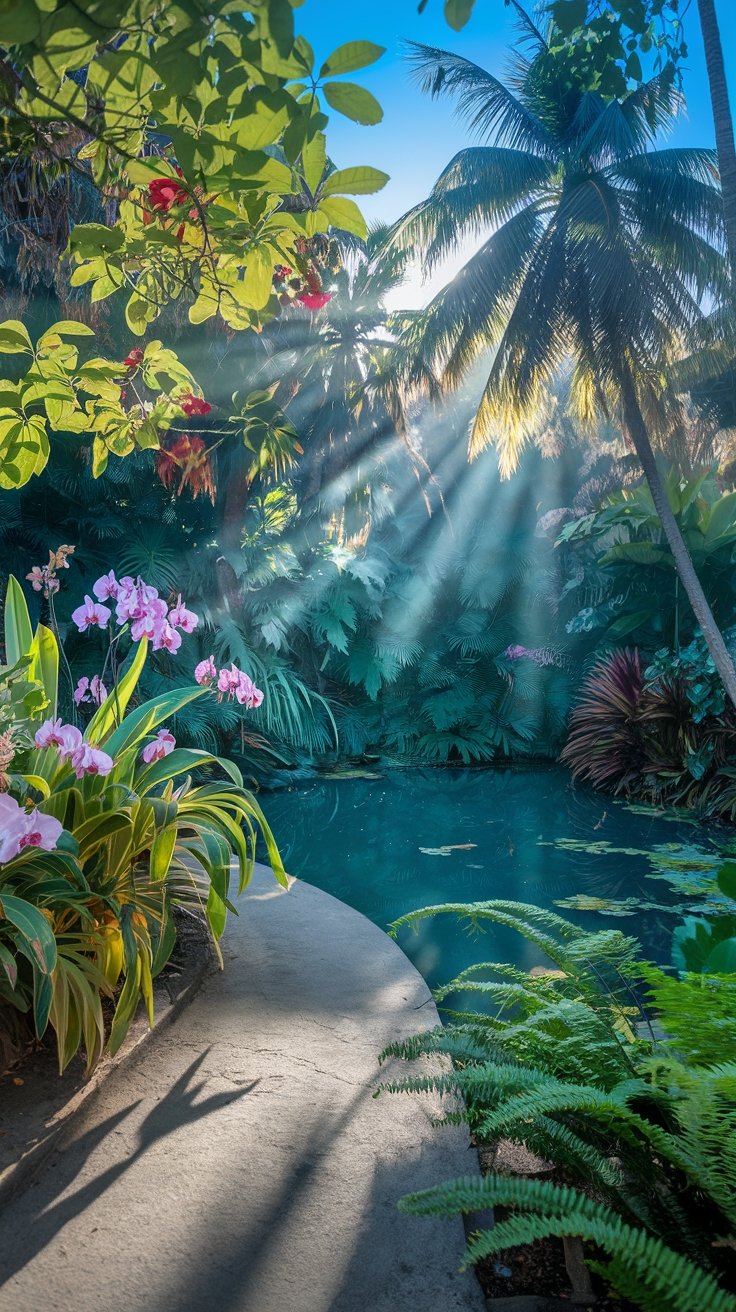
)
(133, 358)
(193, 405)
(314, 300)
(165, 192)
(282, 271)
(187, 463)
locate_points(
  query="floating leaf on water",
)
(606, 906)
(447, 849)
(350, 772)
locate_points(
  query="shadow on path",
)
(47, 1216)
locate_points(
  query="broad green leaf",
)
(162, 852)
(722, 960)
(180, 761)
(314, 160)
(354, 102)
(44, 667)
(727, 879)
(147, 718)
(68, 328)
(14, 337)
(126, 1007)
(340, 212)
(359, 181)
(722, 521)
(258, 277)
(21, 22)
(8, 965)
(18, 631)
(36, 931)
(351, 56)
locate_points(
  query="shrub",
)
(665, 733)
(637, 1111)
(106, 831)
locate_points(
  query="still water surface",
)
(410, 838)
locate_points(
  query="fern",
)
(557, 1063)
(659, 1279)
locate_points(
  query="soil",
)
(534, 1269)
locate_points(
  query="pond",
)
(392, 842)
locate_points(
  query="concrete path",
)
(240, 1163)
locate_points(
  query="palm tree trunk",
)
(637, 430)
(722, 121)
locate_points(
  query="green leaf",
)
(722, 960)
(14, 337)
(727, 879)
(36, 931)
(18, 631)
(569, 15)
(457, 13)
(722, 520)
(361, 180)
(258, 276)
(340, 212)
(162, 851)
(44, 665)
(314, 160)
(110, 713)
(68, 328)
(354, 102)
(21, 23)
(9, 966)
(350, 56)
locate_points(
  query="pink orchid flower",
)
(20, 829)
(206, 671)
(162, 745)
(42, 831)
(49, 734)
(81, 692)
(97, 690)
(52, 733)
(106, 586)
(181, 618)
(90, 690)
(91, 614)
(247, 694)
(166, 639)
(36, 578)
(90, 760)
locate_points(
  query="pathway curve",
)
(240, 1162)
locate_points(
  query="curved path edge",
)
(241, 1162)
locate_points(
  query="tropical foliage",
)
(106, 831)
(616, 1073)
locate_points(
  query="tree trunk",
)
(723, 123)
(637, 430)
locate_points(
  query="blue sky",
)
(418, 136)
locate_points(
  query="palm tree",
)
(722, 121)
(601, 251)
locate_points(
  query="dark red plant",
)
(606, 746)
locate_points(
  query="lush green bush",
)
(106, 831)
(620, 1075)
(665, 733)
